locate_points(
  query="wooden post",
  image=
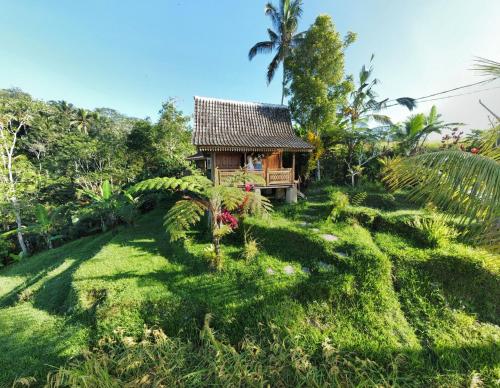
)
(214, 170)
(293, 167)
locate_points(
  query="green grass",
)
(375, 307)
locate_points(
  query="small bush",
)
(434, 230)
(211, 257)
(251, 249)
(339, 202)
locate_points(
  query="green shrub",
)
(434, 230)
(339, 201)
(364, 215)
(385, 201)
(215, 261)
(251, 249)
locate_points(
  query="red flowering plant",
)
(226, 218)
(200, 196)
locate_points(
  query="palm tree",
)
(82, 120)
(282, 39)
(201, 196)
(416, 129)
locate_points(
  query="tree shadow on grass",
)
(50, 287)
(466, 285)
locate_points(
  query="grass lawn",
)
(373, 306)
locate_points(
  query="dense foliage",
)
(65, 160)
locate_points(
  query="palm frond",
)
(458, 182)
(407, 102)
(487, 67)
(260, 48)
(271, 11)
(383, 119)
(273, 66)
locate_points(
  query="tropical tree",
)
(461, 183)
(201, 196)
(317, 84)
(282, 39)
(15, 117)
(413, 133)
(358, 141)
(83, 119)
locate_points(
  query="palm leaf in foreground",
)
(460, 183)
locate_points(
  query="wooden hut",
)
(231, 135)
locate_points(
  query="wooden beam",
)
(293, 167)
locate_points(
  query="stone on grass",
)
(329, 237)
(316, 230)
(289, 270)
(306, 270)
(270, 271)
(325, 266)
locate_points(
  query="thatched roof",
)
(222, 125)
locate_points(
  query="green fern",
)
(359, 198)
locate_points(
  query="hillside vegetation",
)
(379, 304)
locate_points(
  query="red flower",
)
(228, 219)
(248, 187)
(474, 150)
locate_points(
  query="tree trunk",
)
(20, 238)
(318, 170)
(283, 85)
(352, 180)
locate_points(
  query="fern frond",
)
(358, 198)
(193, 183)
(182, 216)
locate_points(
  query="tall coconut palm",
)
(82, 120)
(282, 39)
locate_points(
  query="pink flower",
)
(228, 219)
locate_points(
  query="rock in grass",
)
(325, 266)
(289, 270)
(329, 237)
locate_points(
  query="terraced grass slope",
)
(322, 303)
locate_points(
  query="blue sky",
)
(132, 55)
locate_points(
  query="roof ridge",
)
(245, 103)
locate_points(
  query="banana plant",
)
(46, 224)
(104, 203)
